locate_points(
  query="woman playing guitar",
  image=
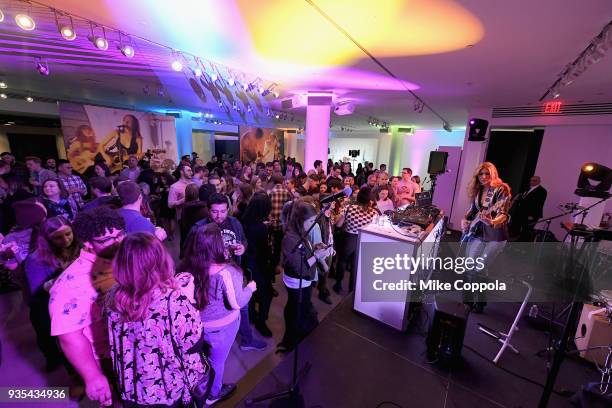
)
(485, 225)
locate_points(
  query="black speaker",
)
(445, 337)
(477, 129)
(437, 162)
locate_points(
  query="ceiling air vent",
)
(553, 108)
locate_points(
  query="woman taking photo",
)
(56, 249)
(485, 225)
(355, 217)
(219, 295)
(57, 201)
(300, 315)
(148, 319)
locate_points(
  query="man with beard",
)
(77, 300)
(235, 241)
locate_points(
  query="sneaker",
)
(254, 345)
(263, 329)
(225, 392)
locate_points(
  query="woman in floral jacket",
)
(146, 313)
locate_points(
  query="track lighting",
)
(29, 99)
(3, 85)
(1, 16)
(25, 22)
(177, 65)
(3, 96)
(68, 33)
(127, 50)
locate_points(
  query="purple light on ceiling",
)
(351, 78)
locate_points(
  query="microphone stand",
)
(292, 398)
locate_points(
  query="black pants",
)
(262, 296)
(346, 260)
(276, 236)
(41, 322)
(300, 319)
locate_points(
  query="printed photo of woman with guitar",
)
(485, 226)
(125, 141)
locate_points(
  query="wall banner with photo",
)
(93, 134)
(260, 144)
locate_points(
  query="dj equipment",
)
(445, 337)
(437, 162)
(423, 199)
(477, 130)
(421, 216)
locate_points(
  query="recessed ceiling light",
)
(25, 22)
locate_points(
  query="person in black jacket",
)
(300, 317)
(256, 260)
(528, 209)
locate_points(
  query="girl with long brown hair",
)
(148, 319)
(219, 295)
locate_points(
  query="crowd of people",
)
(127, 320)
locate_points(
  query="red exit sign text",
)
(553, 107)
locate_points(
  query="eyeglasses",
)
(106, 240)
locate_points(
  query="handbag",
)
(201, 389)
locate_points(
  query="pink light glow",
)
(317, 132)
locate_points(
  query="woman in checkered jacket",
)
(355, 217)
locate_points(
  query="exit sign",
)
(553, 107)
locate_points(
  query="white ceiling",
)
(526, 44)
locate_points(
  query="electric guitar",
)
(476, 224)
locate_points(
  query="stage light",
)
(220, 103)
(177, 65)
(197, 72)
(277, 116)
(214, 76)
(276, 94)
(1, 16)
(231, 81)
(3, 85)
(261, 91)
(3, 96)
(25, 22)
(249, 108)
(127, 50)
(595, 172)
(29, 99)
(447, 127)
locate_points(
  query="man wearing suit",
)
(528, 209)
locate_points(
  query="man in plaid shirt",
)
(75, 186)
(279, 196)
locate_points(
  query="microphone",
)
(344, 193)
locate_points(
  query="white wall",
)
(564, 150)
(415, 153)
(339, 148)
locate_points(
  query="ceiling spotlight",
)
(29, 99)
(3, 96)
(127, 50)
(3, 85)
(277, 116)
(446, 126)
(1, 16)
(146, 90)
(235, 106)
(177, 65)
(214, 76)
(249, 108)
(231, 81)
(42, 67)
(68, 33)
(101, 43)
(197, 72)
(25, 22)
(220, 102)
(261, 90)
(160, 92)
(276, 94)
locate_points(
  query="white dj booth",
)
(395, 313)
